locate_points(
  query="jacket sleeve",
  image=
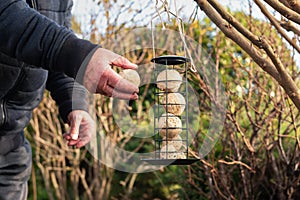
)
(68, 94)
(33, 38)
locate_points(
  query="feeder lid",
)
(170, 60)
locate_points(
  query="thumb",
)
(74, 127)
(124, 63)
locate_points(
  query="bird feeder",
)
(171, 126)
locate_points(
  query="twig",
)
(237, 163)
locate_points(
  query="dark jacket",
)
(34, 39)
(22, 85)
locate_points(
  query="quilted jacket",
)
(30, 60)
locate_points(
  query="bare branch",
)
(285, 11)
(237, 163)
(286, 3)
(236, 36)
(232, 21)
(285, 80)
(292, 4)
(289, 26)
(225, 24)
(276, 24)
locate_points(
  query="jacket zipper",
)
(12, 90)
(3, 113)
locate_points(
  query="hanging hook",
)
(179, 23)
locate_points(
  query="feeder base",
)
(170, 161)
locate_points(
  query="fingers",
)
(82, 127)
(112, 92)
(80, 142)
(74, 126)
(98, 74)
(113, 85)
(124, 63)
(121, 84)
(123, 89)
(83, 141)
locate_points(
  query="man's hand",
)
(101, 78)
(81, 128)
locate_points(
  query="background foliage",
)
(256, 157)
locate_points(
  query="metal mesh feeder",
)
(171, 137)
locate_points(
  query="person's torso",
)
(22, 86)
(21, 90)
(57, 10)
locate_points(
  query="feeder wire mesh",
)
(171, 127)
